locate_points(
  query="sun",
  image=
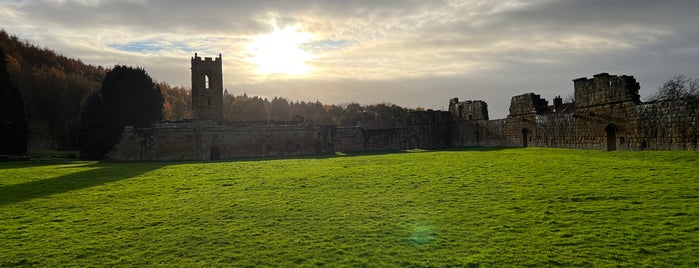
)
(279, 52)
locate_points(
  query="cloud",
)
(413, 53)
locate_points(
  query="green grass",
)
(473, 208)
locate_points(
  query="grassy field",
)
(472, 208)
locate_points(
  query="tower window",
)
(206, 82)
(209, 101)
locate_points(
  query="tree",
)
(178, 102)
(678, 87)
(14, 132)
(54, 89)
(279, 109)
(128, 97)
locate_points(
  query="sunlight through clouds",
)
(280, 52)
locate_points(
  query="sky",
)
(413, 53)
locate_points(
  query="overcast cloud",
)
(412, 53)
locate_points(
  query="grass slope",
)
(474, 208)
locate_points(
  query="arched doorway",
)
(414, 142)
(215, 153)
(525, 137)
(478, 138)
(610, 130)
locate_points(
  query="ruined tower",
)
(207, 88)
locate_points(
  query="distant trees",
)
(129, 97)
(678, 87)
(245, 108)
(14, 132)
(177, 104)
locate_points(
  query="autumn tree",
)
(14, 133)
(54, 89)
(177, 103)
(128, 97)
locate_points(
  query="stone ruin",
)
(607, 115)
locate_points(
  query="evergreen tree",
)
(14, 132)
(128, 97)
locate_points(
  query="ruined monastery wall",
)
(667, 125)
(607, 115)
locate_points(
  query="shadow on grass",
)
(36, 163)
(106, 172)
(357, 153)
(100, 173)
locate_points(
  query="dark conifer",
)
(14, 132)
(128, 97)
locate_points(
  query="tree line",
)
(177, 106)
(53, 89)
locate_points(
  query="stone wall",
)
(667, 125)
(468, 110)
(424, 130)
(607, 115)
(490, 133)
(528, 103)
(348, 139)
(204, 140)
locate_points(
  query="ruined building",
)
(207, 88)
(607, 115)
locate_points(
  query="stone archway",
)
(413, 142)
(215, 153)
(611, 130)
(525, 137)
(478, 138)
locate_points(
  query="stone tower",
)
(207, 88)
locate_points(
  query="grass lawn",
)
(474, 208)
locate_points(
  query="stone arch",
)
(610, 130)
(215, 153)
(413, 142)
(525, 137)
(478, 138)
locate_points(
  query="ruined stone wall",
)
(479, 133)
(607, 115)
(604, 89)
(385, 139)
(348, 139)
(424, 130)
(555, 131)
(667, 125)
(203, 140)
(468, 110)
(527, 104)
(224, 142)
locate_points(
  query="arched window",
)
(209, 101)
(206, 81)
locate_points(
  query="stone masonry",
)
(607, 115)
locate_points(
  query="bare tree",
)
(677, 87)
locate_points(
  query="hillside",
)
(54, 88)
